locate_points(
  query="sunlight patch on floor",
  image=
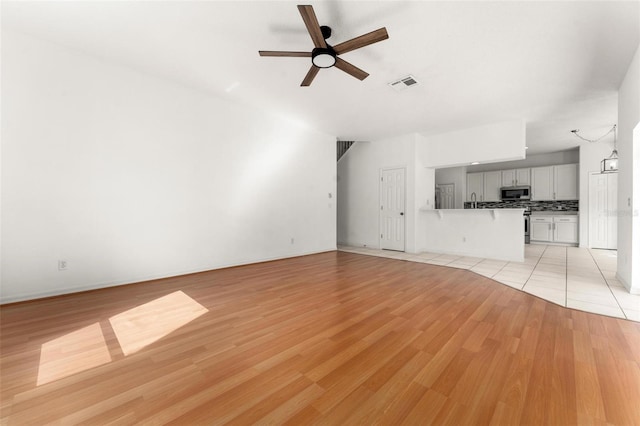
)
(135, 329)
(73, 353)
(145, 324)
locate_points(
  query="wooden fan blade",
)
(313, 71)
(310, 20)
(280, 53)
(351, 69)
(363, 40)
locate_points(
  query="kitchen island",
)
(487, 233)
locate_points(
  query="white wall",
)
(490, 143)
(359, 189)
(425, 198)
(590, 156)
(629, 177)
(130, 177)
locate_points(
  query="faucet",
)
(474, 202)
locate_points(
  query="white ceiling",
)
(556, 65)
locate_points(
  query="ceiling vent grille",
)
(403, 83)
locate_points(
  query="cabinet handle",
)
(554, 195)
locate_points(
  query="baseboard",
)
(626, 285)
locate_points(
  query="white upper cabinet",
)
(523, 177)
(509, 177)
(516, 177)
(492, 184)
(554, 182)
(547, 183)
(566, 182)
(475, 183)
(542, 183)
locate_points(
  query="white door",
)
(392, 209)
(603, 200)
(445, 198)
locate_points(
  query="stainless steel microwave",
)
(515, 193)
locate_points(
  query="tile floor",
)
(574, 277)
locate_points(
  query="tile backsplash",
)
(534, 206)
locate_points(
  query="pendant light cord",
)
(613, 129)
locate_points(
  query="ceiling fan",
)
(325, 56)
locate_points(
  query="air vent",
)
(403, 83)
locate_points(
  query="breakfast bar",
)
(466, 232)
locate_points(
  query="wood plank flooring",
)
(333, 338)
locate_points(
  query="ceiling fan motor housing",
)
(326, 31)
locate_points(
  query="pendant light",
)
(609, 164)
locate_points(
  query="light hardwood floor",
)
(333, 338)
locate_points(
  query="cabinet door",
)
(508, 178)
(542, 183)
(492, 184)
(566, 182)
(475, 183)
(523, 177)
(541, 231)
(565, 230)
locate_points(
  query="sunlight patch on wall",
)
(73, 353)
(264, 168)
(145, 324)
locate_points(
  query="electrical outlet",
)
(62, 265)
(292, 240)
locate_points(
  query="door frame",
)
(404, 207)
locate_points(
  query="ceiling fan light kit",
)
(325, 56)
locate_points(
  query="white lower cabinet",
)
(555, 229)
(565, 229)
(541, 228)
